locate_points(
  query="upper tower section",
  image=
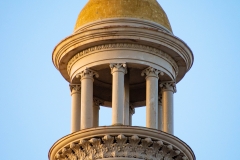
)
(148, 10)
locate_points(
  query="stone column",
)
(87, 97)
(131, 112)
(168, 88)
(96, 107)
(118, 71)
(76, 107)
(160, 111)
(126, 100)
(151, 96)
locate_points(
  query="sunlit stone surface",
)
(122, 55)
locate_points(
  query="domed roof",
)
(141, 9)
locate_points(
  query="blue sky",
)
(35, 99)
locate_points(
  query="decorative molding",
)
(130, 22)
(109, 146)
(87, 73)
(98, 102)
(90, 50)
(150, 71)
(75, 87)
(118, 67)
(171, 86)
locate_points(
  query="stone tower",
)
(122, 54)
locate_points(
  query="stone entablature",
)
(120, 141)
(169, 44)
(129, 46)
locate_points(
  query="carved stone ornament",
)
(87, 73)
(152, 50)
(98, 102)
(111, 146)
(169, 86)
(118, 67)
(75, 87)
(152, 72)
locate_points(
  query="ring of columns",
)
(159, 114)
(122, 68)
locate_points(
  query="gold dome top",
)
(142, 9)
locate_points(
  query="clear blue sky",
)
(35, 99)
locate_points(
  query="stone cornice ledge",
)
(170, 44)
(120, 141)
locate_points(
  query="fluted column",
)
(131, 112)
(87, 97)
(96, 107)
(126, 100)
(160, 111)
(168, 88)
(76, 107)
(151, 96)
(118, 71)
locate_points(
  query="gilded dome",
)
(141, 9)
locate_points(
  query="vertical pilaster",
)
(87, 97)
(96, 107)
(168, 88)
(76, 107)
(118, 71)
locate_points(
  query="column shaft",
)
(160, 122)
(152, 96)
(118, 71)
(131, 112)
(76, 108)
(95, 115)
(167, 107)
(151, 102)
(126, 100)
(87, 97)
(87, 103)
(96, 107)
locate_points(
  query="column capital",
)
(87, 74)
(169, 86)
(118, 67)
(131, 110)
(75, 88)
(160, 99)
(97, 102)
(152, 72)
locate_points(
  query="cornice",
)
(78, 42)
